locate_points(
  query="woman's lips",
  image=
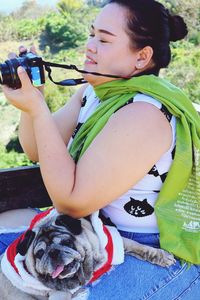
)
(90, 61)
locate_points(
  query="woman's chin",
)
(92, 79)
(96, 80)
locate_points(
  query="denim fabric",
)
(6, 239)
(141, 280)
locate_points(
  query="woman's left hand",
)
(28, 98)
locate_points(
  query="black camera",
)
(33, 65)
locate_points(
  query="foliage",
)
(14, 145)
(30, 9)
(184, 71)
(67, 7)
(12, 159)
(190, 11)
(20, 29)
(28, 29)
(96, 3)
(57, 96)
(64, 31)
(68, 28)
(8, 28)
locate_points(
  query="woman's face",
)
(108, 48)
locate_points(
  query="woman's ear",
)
(144, 59)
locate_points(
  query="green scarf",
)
(178, 205)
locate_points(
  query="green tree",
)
(68, 28)
(12, 159)
(66, 7)
(184, 69)
(190, 11)
(96, 3)
(30, 9)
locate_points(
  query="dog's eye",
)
(67, 243)
(39, 253)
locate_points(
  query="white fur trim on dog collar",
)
(118, 247)
(24, 281)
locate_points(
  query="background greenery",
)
(60, 35)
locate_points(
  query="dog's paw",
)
(162, 258)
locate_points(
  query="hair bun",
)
(178, 28)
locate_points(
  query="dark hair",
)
(150, 24)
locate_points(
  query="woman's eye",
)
(91, 35)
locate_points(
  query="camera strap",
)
(70, 82)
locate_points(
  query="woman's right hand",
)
(23, 49)
(27, 98)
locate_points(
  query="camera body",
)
(33, 65)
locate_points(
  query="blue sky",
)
(8, 6)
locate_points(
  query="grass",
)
(9, 118)
(12, 46)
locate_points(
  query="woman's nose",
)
(91, 46)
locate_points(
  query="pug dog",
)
(58, 256)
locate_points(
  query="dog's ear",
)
(24, 244)
(73, 225)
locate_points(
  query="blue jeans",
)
(6, 239)
(140, 280)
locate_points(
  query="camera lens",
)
(9, 73)
(32, 64)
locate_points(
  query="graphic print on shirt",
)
(138, 208)
(173, 153)
(166, 112)
(83, 102)
(76, 129)
(153, 171)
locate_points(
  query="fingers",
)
(23, 76)
(12, 55)
(9, 93)
(24, 50)
(33, 49)
(6, 89)
(25, 80)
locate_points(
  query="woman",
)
(121, 137)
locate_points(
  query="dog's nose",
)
(53, 253)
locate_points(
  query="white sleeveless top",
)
(134, 210)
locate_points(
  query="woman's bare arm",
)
(65, 119)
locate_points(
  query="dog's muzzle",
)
(66, 271)
(71, 260)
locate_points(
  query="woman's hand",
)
(23, 49)
(28, 98)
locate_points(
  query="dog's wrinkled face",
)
(64, 253)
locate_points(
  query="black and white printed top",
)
(134, 210)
